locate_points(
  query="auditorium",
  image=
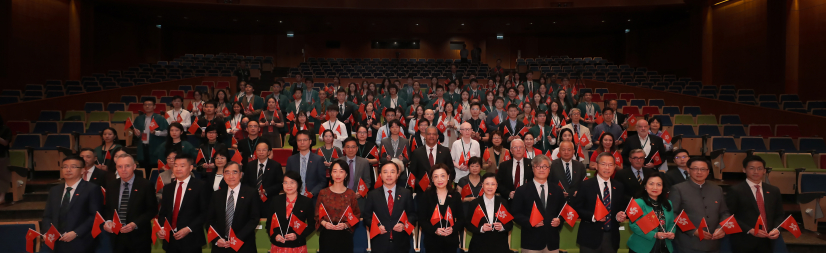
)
(167, 126)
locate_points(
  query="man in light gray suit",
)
(308, 164)
(359, 168)
(567, 170)
(699, 200)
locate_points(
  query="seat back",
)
(113, 107)
(671, 110)
(93, 107)
(50, 116)
(73, 127)
(755, 143)
(762, 130)
(812, 182)
(785, 143)
(724, 142)
(98, 116)
(135, 108)
(800, 160)
(637, 102)
(627, 96)
(772, 159)
(19, 127)
(650, 110)
(693, 110)
(684, 130)
(812, 143)
(97, 127)
(707, 119)
(789, 130)
(684, 119)
(631, 110)
(735, 131)
(58, 140)
(730, 119)
(12, 232)
(45, 127)
(710, 130)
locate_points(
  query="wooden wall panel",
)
(812, 50)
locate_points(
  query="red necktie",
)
(178, 195)
(430, 157)
(516, 177)
(761, 204)
(390, 207)
(84, 175)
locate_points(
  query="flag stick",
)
(784, 221)
(563, 189)
(563, 208)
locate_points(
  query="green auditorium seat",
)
(800, 160)
(685, 119)
(706, 119)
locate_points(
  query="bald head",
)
(566, 151)
(517, 149)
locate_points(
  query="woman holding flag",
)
(208, 150)
(233, 214)
(441, 203)
(338, 211)
(272, 122)
(105, 153)
(651, 217)
(176, 140)
(329, 152)
(293, 220)
(299, 124)
(490, 233)
(566, 134)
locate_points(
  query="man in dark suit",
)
(90, 172)
(567, 170)
(345, 110)
(359, 168)
(455, 76)
(308, 164)
(71, 209)
(633, 176)
(510, 127)
(184, 205)
(649, 143)
(514, 172)
(679, 173)
(133, 198)
(391, 237)
(265, 175)
(600, 235)
(751, 199)
(619, 118)
(247, 145)
(240, 201)
(699, 199)
(548, 198)
(427, 155)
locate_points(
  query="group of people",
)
(468, 159)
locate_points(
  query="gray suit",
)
(362, 172)
(698, 202)
(578, 174)
(387, 144)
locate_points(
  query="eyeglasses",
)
(543, 167)
(517, 148)
(681, 157)
(232, 172)
(699, 169)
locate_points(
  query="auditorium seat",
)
(780, 175)
(50, 116)
(637, 102)
(789, 130)
(47, 156)
(114, 107)
(68, 127)
(729, 98)
(222, 85)
(690, 140)
(730, 119)
(627, 96)
(98, 117)
(179, 93)
(159, 108)
(127, 99)
(770, 105)
(753, 143)
(185, 88)
(731, 159)
(819, 112)
(784, 143)
(811, 105)
(767, 98)
(684, 119)
(656, 102)
(9, 100)
(135, 108)
(12, 93)
(46, 127)
(693, 110)
(671, 110)
(707, 119)
(762, 130)
(734, 130)
(93, 107)
(12, 232)
(800, 160)
(665, 119)
(19, 127)
(650, 110)
(792, 105)
(609, 96)
(811, 182)
(167, 100)
(788, 97)
(710, 130)
(809, 144)
(280, 155)
(631, 110)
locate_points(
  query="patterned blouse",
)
(336, 204)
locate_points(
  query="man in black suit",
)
(184, 205)
(619, 118)
(133, 198)
(391, 237)
(240, 201)
(247, 145)
(600, 235)
(455, 76)
(514, 172)
(649, 143)
(427, 155)
(265, 175)
(633, 176)
(345, 110)
(92, 174)
(567, 170)
(510, 127)
(548, 198)
(678, 174)
(71, 208)
(753, 198)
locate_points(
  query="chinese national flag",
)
(407, 226)
(425, 182)
(322, 212)
(483, 127)
(156, 227)
(565, 115)
(486, 156)
(496, 120)
(261, 193)
(478, 214)
(525, 120)
(503, 215)
(351, 218)
(383, 150)
(656, 158)
(338, 129)
(211, 234)
(666, 136)
(153, 125)
(234, 242)
(378, 183)
(536, 216)
(262, 117)
(436, 217)
(564, 123)
(760, 225)
(404, 152)
(321, 130)
(167, 229)
(237, 157)
(624, 135)
(791, 225)
(702, 225)
(194, 127)
(200, 156)
(314, 113)
(548, 153)
(617, 158)
(633, 210)
(362, 188)
(228, 125)
(579, 151)
(569, 214)
(274, 223)
(384, 134)
(466, 191)
(96, 226)
(683, 222)
(414, 145)
(374, 227)
(335, 154)
(295, 130)
(51, 237)
(461, 159)
(30, 236)
(103, 190)
(599, 210)
(297, 225)
(449, 216)
(506, 131)
(108, 156)
(115, 219)
(583, 140)
(523, 131)
(648, 222)
(599, 119)
(553, 131)
(127, 125)
(730, 226)
(291, 116)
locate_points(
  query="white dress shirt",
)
(216, 184)
(186, 119)
(234, 194)
(71, 193)
(89, 173)
(178, 185)
(460, 148)
(601, 188)
(646, 144)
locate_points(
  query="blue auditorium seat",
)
(638, 102)
(724, 143)
(788, 97)
(96, 127)
(671, 110)
(730, 119)
(93, 107)
(45, 127)
(656, 102)
(8, 100)
(50, 116)
(756, 143)
(73, 126)
(710, 130)
(785, 143)
(686, 131)
(11, 235)
(127, 99)
(115, 107)
(735, 130)
(22, 141)
(693, 110)
(57, 140)
(813, 143)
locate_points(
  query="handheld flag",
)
(583, 140)
(666, 136)
(536, 216)
(261, 193)
(760, 225)
(633, 210)
(194, 127)
(234, 242)
(486, 156)
(96, 225)
(200, 156)
(791, 225)
(503, 215)
(730, 226)
(212, 234)
(362, 190)
(237, 157)
(167, 229)
(374, 227)
(297, 225)
(449, 216)
(702, 225)
(103, 190)
(483, 127)
(599, 210)
(30, 236)
(507, 156)
(51, 237)
(478, 214)
(648, 222)
(683, 222)
(656, 158)
(617, 158)
(274, 223)
(570, 215)
(466, 191)
(156, 227)
(559, 183)
(127, 125)
(407, 226)
(153, 125)
(411, 180)
(115, 219)
(323, 212)
(436, 217)
(291, 116)
(425, 182)
(624, 135)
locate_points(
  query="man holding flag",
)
(184, 204)
(649, 143)
(234, 213)
(601, 206)
(71, 209)
(150, 129)
(429, 154)
(741, 200)
(567, 171)
(133, 199)
(90, 173)
(534, 206)
(633, 175)
(358, 169)
(386, 206)
(700, 201)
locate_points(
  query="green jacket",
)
(154, 141)
(545, 144)
(101, 154)
(385, 102)
(582, 106)
(640, 242)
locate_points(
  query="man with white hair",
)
(133, 198)
(548, 199)
(514, 172)
(463, 149)
(649, 143)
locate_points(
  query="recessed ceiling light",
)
(508, 24)
(186, 17)
(417, 24)
(629, 20)
(279, 21)
(160, 16)
(463, 23)
(531, 23)
(603, 21)
(554, 22)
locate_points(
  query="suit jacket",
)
(387, 144)
(420, 162)
(273, 177)
(699, 202)
(505, 124)
(590, 233)
(141, 209)
(316, 177)
(427, 202)
(505, 176)
(154, 140)
(578, 174)
(192, 213)
(642, 242)
(83, 207)
(99, 177)
(537, 238)
(633, 142)
(244, 219)
(376, 204)
(363, 171)
(491, 241)
(743, 205)
(303, 210)
(674, 176)
(455, 77)
(628, 177)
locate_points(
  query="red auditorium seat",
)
(222, 85)
(762, 130)
(180, 93)
(595, 97)
(190, 95)
(609, 96)
(158, 93)
(264, 94)
(209, 84)
(822, 161)
(787, 130)
(627, 96)
(19, 127)
(159, 108)
(281, 155)
(135, 108)
(650, 110)
(631, 110)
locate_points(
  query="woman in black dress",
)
(489, 234)
(289, 208)
(441, 211)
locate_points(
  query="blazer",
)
(141, 209)
(192, 214)
(81, 215)
(633, 142)
(376, 204)
(426, 204)
(491, 241)
(362, 172)
(244, 219)
(698, 202)
(154, 140)
(578, 175)
(538, 238)
(316, 177)
(207, 150)
(303, 210)
(420, 162)
(387, 144)
(511, 131)
(258, 102)
(493, 168)
(99, 177)
(590, 233)
(743, 205)
(273, 177)
(642, 242)
(628, 177)
(505, 176)
(674, 176)
(209, 179)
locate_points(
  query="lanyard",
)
(252, 151)
(463, 147)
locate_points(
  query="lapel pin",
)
(77, 194)
(614, 188)
(136, 189)
(242, 197)
(768, 192)
(189, 189)
(715, 202)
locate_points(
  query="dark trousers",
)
(606, 246)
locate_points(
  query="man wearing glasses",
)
(699, 200)
(680, 173)
(543, 236)
(633, 176)
(463, 149)
(71, 209)
(514, 172)
(428, 155)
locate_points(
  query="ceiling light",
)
(554, 22)
(531, 23)
(508, 24)
(417, 24)
(463, 23)
(603, 21)
(629, 20)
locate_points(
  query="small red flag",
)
(565, 115)
(108, 156)
(702, 225)
(261, 193)
(237, 157)
(624, 135)
(478, 214)
(536, 216)
(413, 144)
(632, 120)
(194, 127)
(483, 127)
(103, 190)
(51, 237)
(167, 229)
(226, 112)
(486, 156)
(377, 184)
(579, 152)
(200, 156)
(760, 225)
(127, 125)
(634, 211)
(115, 219)
(569, 214)
(153, 125)
(350, 217)
(436, 217)
(96, 225)
(648, 222)
(262, 117)
(507, 156)
(211, 234)
(449, 216)
(314, 113)
(683, 222)
(362, 190)
(583, 140)
(234, 242)
(506, 131)
(730, 226)
(274, 223)
(404, 152)
(599, 119)
(30, 236)
(503, 215)
(617, 158)
(553, 131)
(666, 136)
(425, 182)
(411, 180)
(496, 120)
(407, 226)
(599, 210)
(297, 225)
(374, 227)
(791, 225)
(322, 211)
(307, 193)
(374, 151)
(466, 191)
(250, 105)
(656, 158)
(441, 126)
(291, 116)
(321, 130)
(156, 227)
(461, 159)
